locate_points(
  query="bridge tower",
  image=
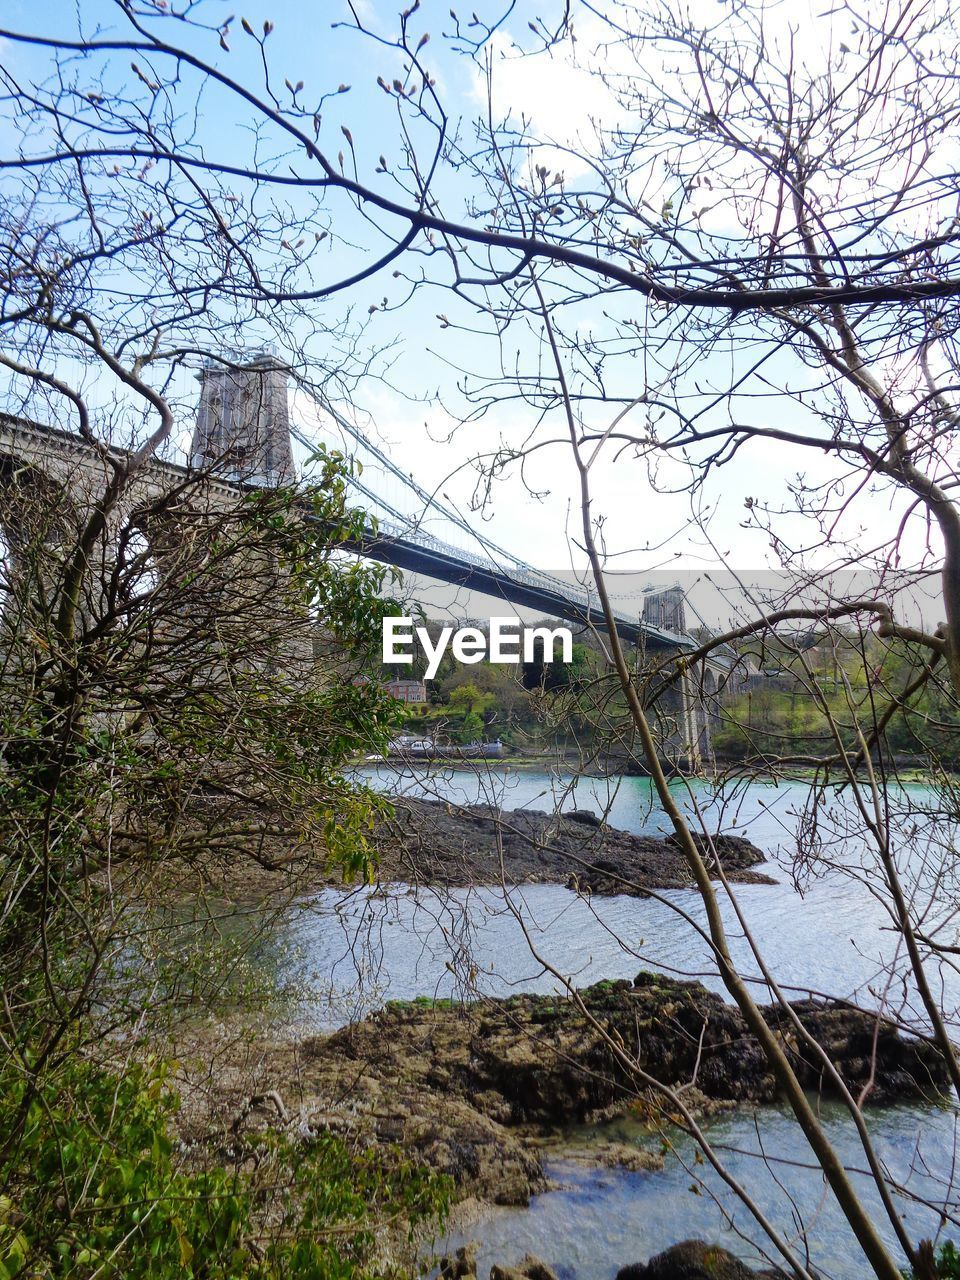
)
(664, 607)
(242, 436)
(242, 432)
(678, 709)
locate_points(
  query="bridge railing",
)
(573, 594)
(398, 525)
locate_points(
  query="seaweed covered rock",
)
(435, 842)
(551, 1060)
(468, 1086)
(482, 1091)
(529, 1267)
(695, 1260)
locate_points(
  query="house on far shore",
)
(412, 691)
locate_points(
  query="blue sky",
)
(426, 355)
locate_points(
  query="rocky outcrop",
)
(546, 1060)
(433, 842)
(436, 842)
(460, 1265)
(529, 1267)
(689, 1260)
(696, 1260)
(482, 1091)
(477, 1090)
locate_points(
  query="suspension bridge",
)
(247, 431)
(407, 540)
(243, 438)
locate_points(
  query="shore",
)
(483, 1091)
(436, 842)
(493, 1093)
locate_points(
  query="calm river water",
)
(354, 950)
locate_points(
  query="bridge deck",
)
(435, 562)
(413, 551)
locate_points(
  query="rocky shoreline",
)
(436, 842)
(490, 1093)
(482, 1092)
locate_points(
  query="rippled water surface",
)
(831, 935)
(599, 1220)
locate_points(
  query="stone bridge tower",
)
(681, 711)
(242, 432)
(242, 436)
(665, 608)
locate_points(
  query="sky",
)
(537, 517)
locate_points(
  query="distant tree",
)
(471, 728)
(551, 676)
(468, 698)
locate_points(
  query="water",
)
(460, 942)
(600, 1220)
(827, 934)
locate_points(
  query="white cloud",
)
(559, 93)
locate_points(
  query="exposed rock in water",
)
(689, 1260)
(696, 1260)
(480, 1091)
(461, 1265)
(472, 1087)
(529, 1268)
(735, 853)
(436, 842)
(546, 1056)
(585, 816)
(541, 1059)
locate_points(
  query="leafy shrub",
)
(945, 1265)
(92, 1185)
(948, 1262)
